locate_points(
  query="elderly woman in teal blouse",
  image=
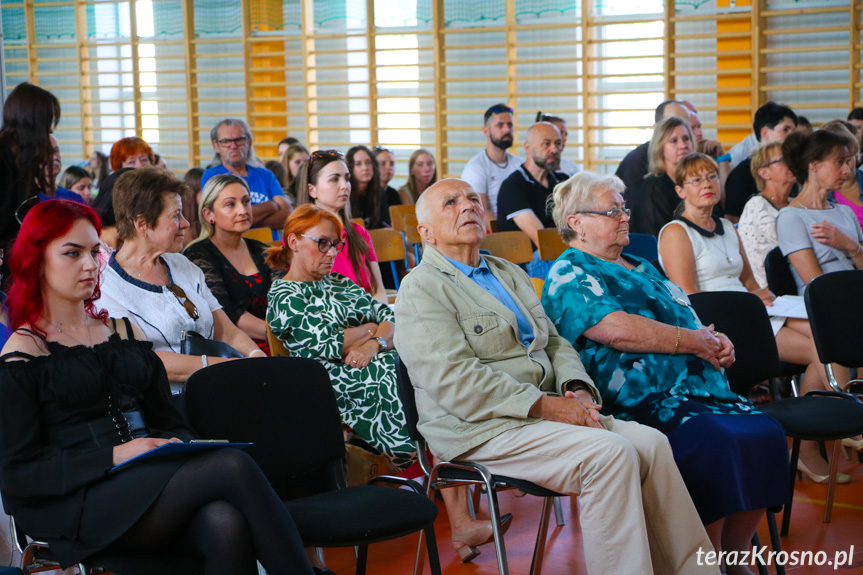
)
(655, 363)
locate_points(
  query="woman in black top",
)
(30, 115)
(80, 394)
(234, 266)
(654, 203)
(387, 167)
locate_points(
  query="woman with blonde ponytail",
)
(234, 266)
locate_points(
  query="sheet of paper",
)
(175, 448)
(788, 306)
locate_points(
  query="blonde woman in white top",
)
(757, 226)
(702, 253)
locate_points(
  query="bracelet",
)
(724, 158)
(204, 361)
(677, 343)
(858, 250)
(257, 351)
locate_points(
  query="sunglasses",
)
(324, 154)
(498, 109)
(181, 296)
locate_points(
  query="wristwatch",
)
(382, 342)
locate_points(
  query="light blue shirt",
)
(483, 277)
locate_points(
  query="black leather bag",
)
(193, 343)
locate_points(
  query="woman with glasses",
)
(325, 181)
(656, 364)
(132, 152)
(701, 252)
(757, 225)
(157, 288)
(235, 267)
(328, 317)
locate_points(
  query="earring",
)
(212, 221)
(582, 238)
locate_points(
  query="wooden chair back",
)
(512, 246)
(538, 284)
(261, 234)
(277, 348)
(358, 222)
(412, 235)
(550, 244)
(397, 214)
(389, 244)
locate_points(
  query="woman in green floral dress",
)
(330, 318)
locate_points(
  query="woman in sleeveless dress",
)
(81, 394)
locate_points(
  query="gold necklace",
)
(59, 329)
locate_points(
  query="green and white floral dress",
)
(310, 319)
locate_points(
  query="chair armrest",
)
(393, 480)
(838, 394)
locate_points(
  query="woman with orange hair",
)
(327, 317)
(131, 153)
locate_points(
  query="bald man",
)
(634, 166)
(523, 197)
(496, 384)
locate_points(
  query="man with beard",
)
(485, 171)
(522, 202)
(232, 142)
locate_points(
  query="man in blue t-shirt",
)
(232, 141)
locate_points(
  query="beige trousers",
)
(635, 512)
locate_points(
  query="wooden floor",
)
(564, 554)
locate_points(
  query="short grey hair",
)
(578, 193)
(252, 158)
(423, 208)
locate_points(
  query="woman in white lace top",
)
(757, 226)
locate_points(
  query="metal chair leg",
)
(362, 556)
(831, 485)
(434, 559)
(775, 542)
(541, 535)
(419, 563)
(499, 546)
(558, 512)
(756, 543)
(786, 514)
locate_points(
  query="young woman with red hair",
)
(131, 153)
(81, 393)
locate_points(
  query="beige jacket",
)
(472, 377)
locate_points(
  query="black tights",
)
(221, 504)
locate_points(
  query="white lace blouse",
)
(757, 230)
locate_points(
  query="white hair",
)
(578, 193)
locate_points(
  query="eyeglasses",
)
(614, 213)
(325, 245)
(181, 296)
(227, 143)
(776, 161)
(498, 109)
(712, 178)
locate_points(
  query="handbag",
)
(193, 343)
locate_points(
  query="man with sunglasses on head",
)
(487, 170)
(234, 154)
(522, 203)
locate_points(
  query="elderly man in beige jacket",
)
(496, 384)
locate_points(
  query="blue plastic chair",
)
(643, 245)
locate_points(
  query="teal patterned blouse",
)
(660, 390)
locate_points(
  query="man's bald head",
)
(543, 145)
(450, 213)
